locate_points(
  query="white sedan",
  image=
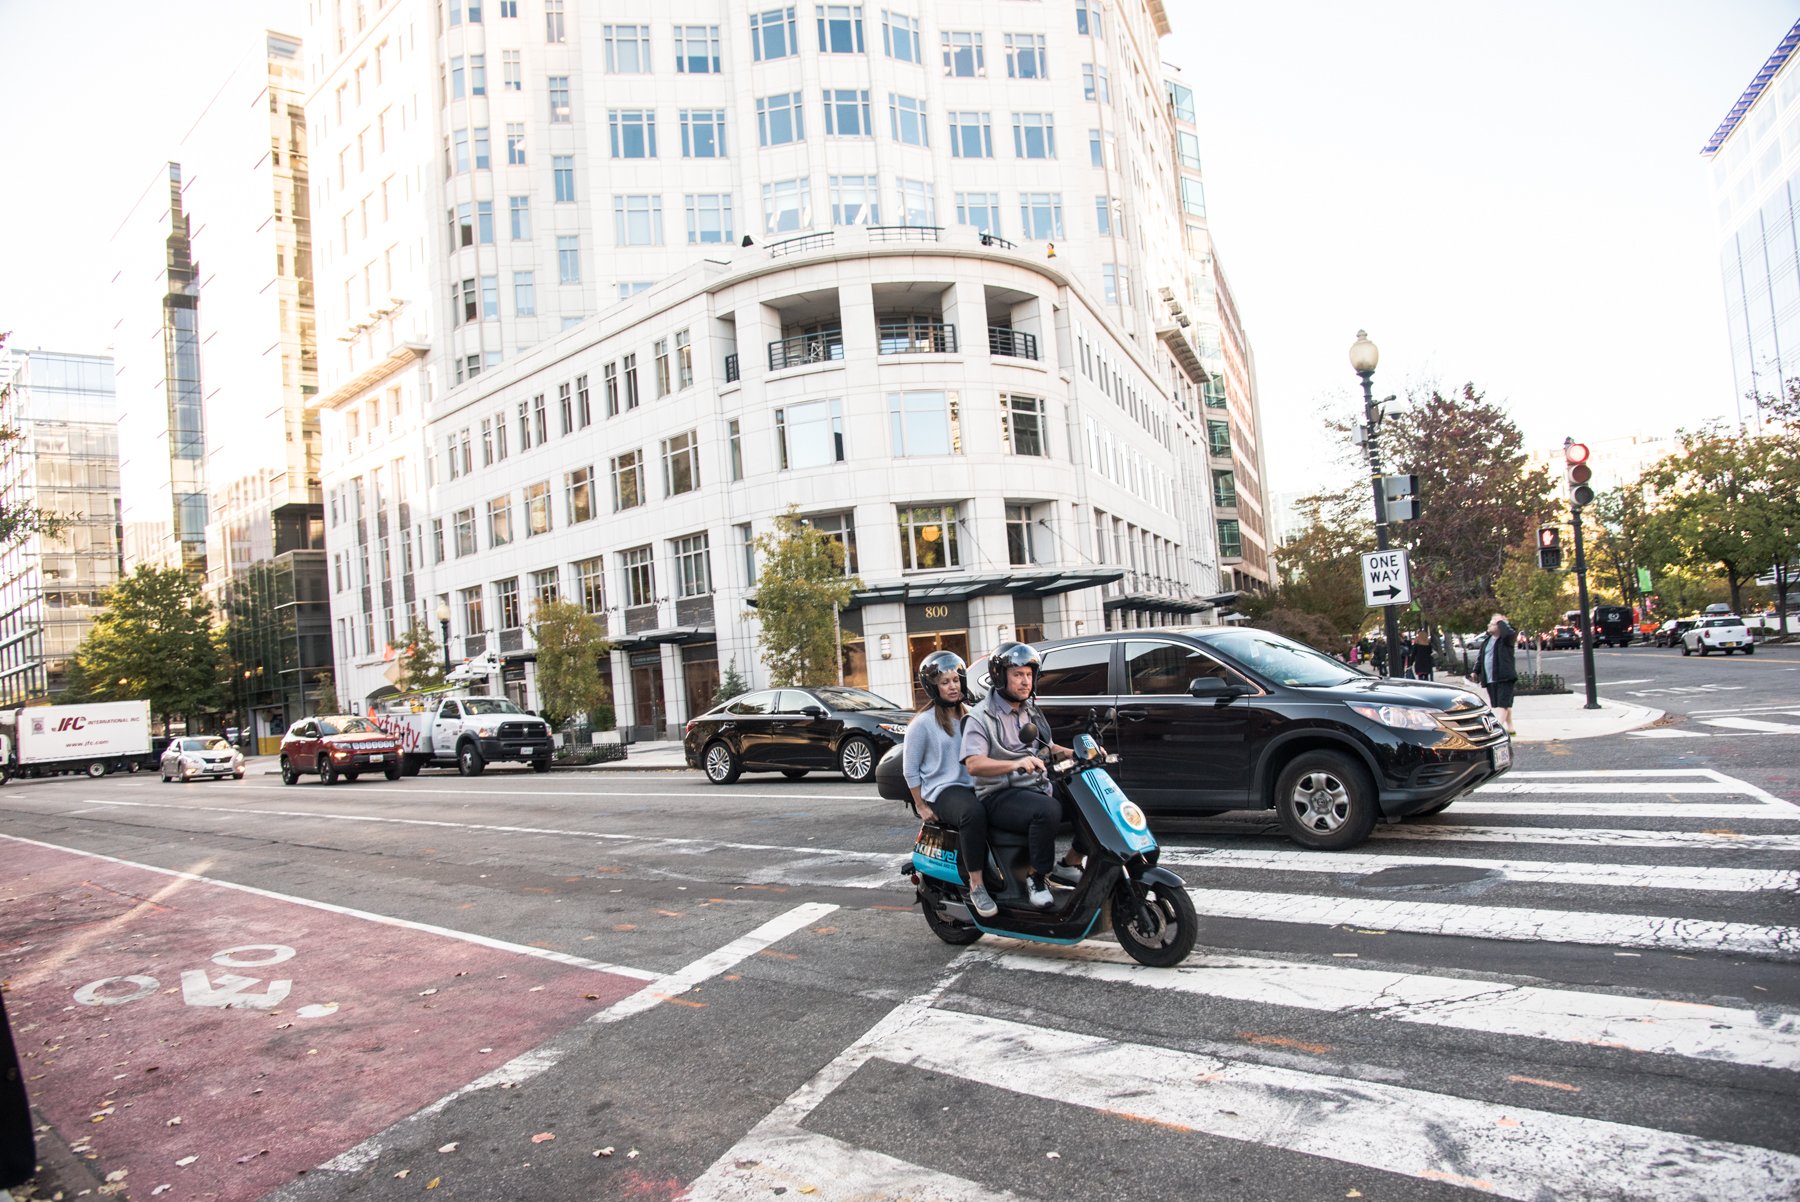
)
(197, 757)
(1721, 632)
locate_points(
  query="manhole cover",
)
(1408, 877)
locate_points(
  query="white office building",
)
(551, 364)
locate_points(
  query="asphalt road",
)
(1580, 982)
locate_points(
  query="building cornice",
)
(399, 357)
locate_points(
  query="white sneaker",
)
(1065, 874)
(1037, 893)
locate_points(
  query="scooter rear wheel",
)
(948, 929)
(1159, 932)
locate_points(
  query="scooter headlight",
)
(1133, 817)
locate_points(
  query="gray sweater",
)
(931, 758)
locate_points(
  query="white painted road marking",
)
(1625, 876)
(1754, 724)
(1668, 732)
(1700, 1032)
(1589, 836)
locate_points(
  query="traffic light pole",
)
(1587, 624)
(1371, 424)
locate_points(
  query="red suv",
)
(337, 747)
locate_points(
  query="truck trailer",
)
(96, 738)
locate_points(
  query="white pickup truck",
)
(468, 733)
(1717, 632)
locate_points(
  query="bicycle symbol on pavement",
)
(201, 987)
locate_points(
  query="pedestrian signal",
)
(1578, 472)
(1549, 548)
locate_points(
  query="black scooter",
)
(1148, 906)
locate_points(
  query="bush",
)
(1538, 683)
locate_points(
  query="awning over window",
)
(666, 635)
(1035, 583)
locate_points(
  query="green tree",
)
(569, 647)
(732, 684)
(1616, 528)
(799, 593)
(1318, 597)
(421, 658)
(324, 696)
(155, 640)
(1719, 507)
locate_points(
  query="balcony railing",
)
(731, 367)
(1004, 341)
(1225, 500)
(802, 244)
(996, 240)
(802, 349)
(916, 336)
(904, 233)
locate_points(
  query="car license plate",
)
(1502, 756)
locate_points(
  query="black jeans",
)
(958, 806)
(1032, 813)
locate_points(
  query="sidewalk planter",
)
(1539, 684)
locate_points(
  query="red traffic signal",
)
(1575, 452)
(1577, 472)
(1549, 548)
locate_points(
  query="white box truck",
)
(96, 738)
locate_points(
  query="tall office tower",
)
(1755, 156)
(156, 353)
(1234, 443)
(947, 338)
(65, 460)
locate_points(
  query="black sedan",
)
(795, 731)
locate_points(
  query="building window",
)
(462, 226)
(584, 410)
(1087, 18)
(1096, 83)
(1023, 425)
(637, 220)
(1025, 57)
(971, 136)
(1019, 549)
(506, 602)
(665, 383)
(709, 218)
(840, 29)
(697, 49)
(483, 159)
(979, 209)
(847, 113)
(511, 79)
(562, 171)
(578, 487)
(1181, 98)
(490, 296)
(1109, 217)
(773, 34)
(853, 200)
(702, 133)
(459, 141)
(924, 423)
(554, 29)
(780, 119)
(1034, 136)
(1193, 196)
(840, 528)
(633, 133)
(964, 57)
(473, 621)
(1115, 284)
(437, 538)
(747, 548)
(537, 509)
(1040, 215)
(525, 294)
(500, 438)
(540, 421)
(478, 75)
(693, 566)
(1187, 148)
(470, 310)
(515, 143)
(562, 112)
(1224, 490)
(464, 521)
(456, 78)
(627, 49)
(1218, 438)
(787, 205)
(681, 463)
(1231, 541)
(906, 114)
(568, 258)
(734, 448)
(809, 434)
(639, 569)
(546, 587)
(499, 512)
(628, 480)
(590, 584)
(684, 360)
(565, 408)
(900, 37)
(918, 203)
(519, 209)
(928, 537)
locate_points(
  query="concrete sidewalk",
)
(1555, 717)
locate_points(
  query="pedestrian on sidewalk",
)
(1495, 669)
(1378, 655)
(1421, 655)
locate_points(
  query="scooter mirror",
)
(1028, 734)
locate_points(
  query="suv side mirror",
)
(1212, 686)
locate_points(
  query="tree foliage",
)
(1720, 506)
(800, 590)
(1532, 599)
(155, 640)
(421, 657)
(569, 648)
(732, 684)
(325, 697)
(1318, 598)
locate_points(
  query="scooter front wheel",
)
(1156, 930)
(948, 929)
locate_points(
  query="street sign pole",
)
(1587, 623)
(1372, 424)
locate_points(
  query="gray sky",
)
(1509, 193)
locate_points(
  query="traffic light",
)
(1549, 546)
(1577, 471)
(1400, 498)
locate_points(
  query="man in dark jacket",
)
(1494, 668)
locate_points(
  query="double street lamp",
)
(1363, 358)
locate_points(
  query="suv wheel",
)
(290, 775)
(1326, 801)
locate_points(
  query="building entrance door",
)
(648, 709)
(918, 646)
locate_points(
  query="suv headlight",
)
(1403, 717)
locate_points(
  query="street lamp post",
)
(1363, 358)
(443, 617)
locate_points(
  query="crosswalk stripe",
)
(1624, 809)
(1588, 836)
(1511, 1152)
(1506, 786)
(1756, 724)
(763, 1165)
(1516, 923)
(1627, 876)
(1668, 732)
(1669, 1028)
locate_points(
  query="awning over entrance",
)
(1043, 583)
(645, 639)
(1157, 603)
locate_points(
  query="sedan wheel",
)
(1325, 800)
(721, 764)
(856, 758)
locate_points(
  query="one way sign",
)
(1387, 578)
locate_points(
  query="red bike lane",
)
(160, 1017)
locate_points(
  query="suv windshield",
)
(838, 697)
(1282, 660)
(490, 705)
(1711, 622)
(347, 726)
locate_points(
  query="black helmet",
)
(936, 665)
(1013, 655)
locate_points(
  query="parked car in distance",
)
(1614, 625)
(337, 747)
(1670, 632)
(794, 732)
(200, 757)
(1212, 719)
(1559, 638)
(1717, 632)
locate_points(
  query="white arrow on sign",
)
(1387, 578)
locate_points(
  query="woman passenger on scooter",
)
(942, 790)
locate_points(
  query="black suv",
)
(1210, 719)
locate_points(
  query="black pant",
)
(1032, 813)
(958, 806)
